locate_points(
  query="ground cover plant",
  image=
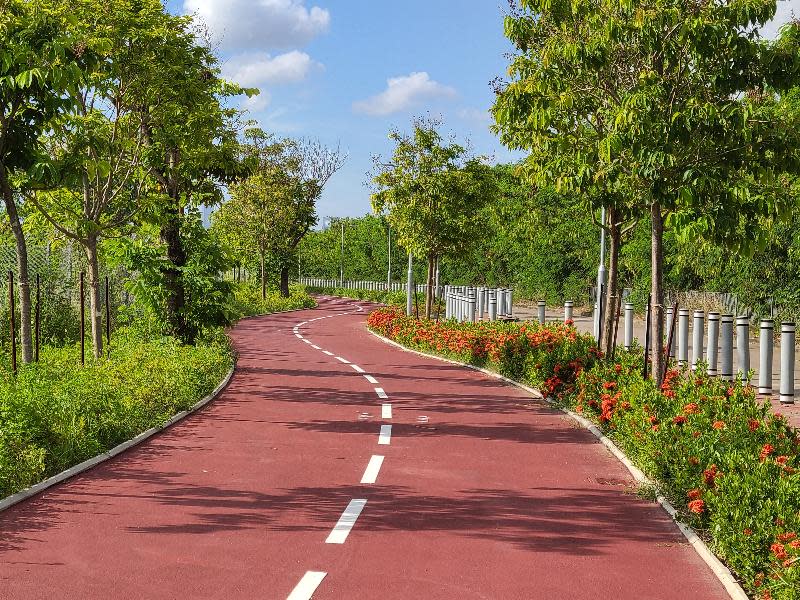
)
(718, 453)
(377, 296)
(248, 300)
(55, 413)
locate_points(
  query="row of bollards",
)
(470, 304)
(719, 347)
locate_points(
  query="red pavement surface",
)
(495, 496)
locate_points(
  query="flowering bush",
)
(717, 453)
(720, 455)
(549, 357)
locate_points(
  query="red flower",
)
(781, 460)
(654, 420)
(779, 551)
(718, 424)
(753, 424)
(766, 451)
(747, 531)
(787, 537)
(609, 385)
(693, 460)
(694, 494)
(679, 420)
(710, 475)
(691, 409)
(697, 506)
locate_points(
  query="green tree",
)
(431, 191)
(38, 66)
(668, 118)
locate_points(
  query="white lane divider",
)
(381, 394)
(306, 341)
(372, 470)
(307, 585)
(386, 411)
(315, 347)
(297, 335)
(328, 353)
(346, 522)
(385, 436)
(357, 369)
(371, 379)
(342, 360)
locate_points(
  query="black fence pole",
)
(38, 324)
(108, 317)
(647, 336)
(670, 341)
(83, 325)
(13, 322)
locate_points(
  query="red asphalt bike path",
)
(483, 492)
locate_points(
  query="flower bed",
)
(717, 452)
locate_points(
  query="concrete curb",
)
(722, 572)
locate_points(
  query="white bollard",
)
(683, 337)
(492, 305)
(743, 347)
(712, 346)
(510, 302)
(472, 300)
(697, 341)
(787, 362)
(568, 308)
(628, 326)
(542, 311)
(726, 348)
(765, 356)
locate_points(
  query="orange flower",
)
(766, 450)
(679, 420)
(691, 409)
(694, 494)
(753, 424)
(779, 551)
(718, 425)
(747, 531)
(787, 537)
(693, 460)
(697, 506)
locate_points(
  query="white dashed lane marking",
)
(307, 585)
(346, 522)
(381, 394)
(372, 470)
(342, 360)
(371, 379)
(386, 411)
(328, 353)
(385, 436)
(357, 369)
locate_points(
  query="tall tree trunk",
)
(284, 281)
(263, 258)
(612, 288)
(94, 296)
(429, 287)
(26, 339)
(657, 290)
(176, 294)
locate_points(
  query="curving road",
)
(339, 466)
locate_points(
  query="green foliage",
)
(377, 296)
(247, 301)
(56, 414)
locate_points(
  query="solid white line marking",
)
(373, 467)
(340, 359)
(385, 436)
(381, 394)
(386, 411)
(315, 347)
(371, 379)
(306, 341)
(349, 517)
(328, 353)
(357, 368)
(307, 585)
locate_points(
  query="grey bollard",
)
(628, 326)
(787, 362)
(743, 347)
(569, 306)
(492, 305)
(481, 303)
(668, 328)
(683, 337)
(765, 357)
(446, 302)
(726, 348)
(542, 311)
(510, 302)
(501, 302)
(472, 301)
(697, 339)
(712, 346)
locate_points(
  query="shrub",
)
(247, 301)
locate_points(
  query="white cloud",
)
(258, 68)
(258, 24)
(483, 117)
(787, 10)
(257, 103)
(402, 93)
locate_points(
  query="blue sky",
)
(347, 72)
(325, 67)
